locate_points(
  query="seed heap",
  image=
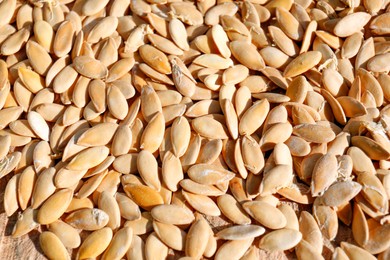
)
(140, 128)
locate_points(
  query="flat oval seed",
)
(351, 23)
(232, 210)
(88, 219)
(265, 214)
(340, 193)
(356, 252)
(90, 67)
(54, 206)
(155, 58)
(117, 103)
(324, 174)
(66, 233)
(92, 136)
(26, 222)
(38, 125)
(247, 54)
(172, 214)
(52, 246)
(202, 203)
(289, 24)
(170, 235)
(254, 117)
(197, 237)
(88, 158)
(209, 174)
(240, 232)
(314, 133)
(148, 169)
(155, 248)
(95, 243)
(10, 196)
(143, 196)
(234, 249)
(282, 239)
(302, 63)
(209, 128)
(120, 244)
(178, 33)
(180, 136)
(153, 134)
(119, 69)
(63, 39)
(39, 58)
(108, 204)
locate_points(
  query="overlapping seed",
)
(141, 129)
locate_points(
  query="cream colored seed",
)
(52, 246)
(95, 244)
(186, 110)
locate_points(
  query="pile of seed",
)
(148, 128)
